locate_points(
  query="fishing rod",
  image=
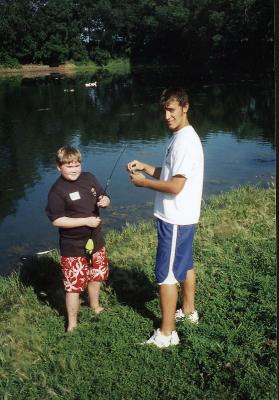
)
(113, 169)
(89, 246)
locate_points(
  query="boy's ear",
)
(186, 108)
(58, 167)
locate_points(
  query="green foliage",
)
(100, 56)
(7, 61)
(202, 34)
(78, 52)
(120, 66)
(231, 354)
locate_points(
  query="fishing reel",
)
(136, 172)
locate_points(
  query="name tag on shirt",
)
(74, 196)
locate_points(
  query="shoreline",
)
(40, 69)
(68, 68)
(109, 227)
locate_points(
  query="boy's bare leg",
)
(188, 292)
(72, 306)
(94, 292)
(168, 298)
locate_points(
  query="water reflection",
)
(235, 122)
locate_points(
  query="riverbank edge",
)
(206, 205)
(116, 65)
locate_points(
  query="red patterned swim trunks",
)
(77, 274)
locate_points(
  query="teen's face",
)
(70, 171)
(175, 115)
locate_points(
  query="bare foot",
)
(98, 310)
(71, 328)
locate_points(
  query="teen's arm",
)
(172, 186)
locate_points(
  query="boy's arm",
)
(68, 222)
(103, 198)
(103, 201)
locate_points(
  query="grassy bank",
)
(120, 65)
(231, 354)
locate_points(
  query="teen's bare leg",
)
(72, 306)
(94, 293)
(188, 292)
(168, 299)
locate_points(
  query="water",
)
(39, 115)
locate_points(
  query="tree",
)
(59, 34)
(204, 35)
(17, 23)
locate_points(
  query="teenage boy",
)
(73, 207)
(178, 185)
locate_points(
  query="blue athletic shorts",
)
(174, 252)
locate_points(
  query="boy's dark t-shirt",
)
(76, 199)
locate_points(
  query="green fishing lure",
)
(89, 247)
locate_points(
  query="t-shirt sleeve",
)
(99, 188)
(182, 162)
(55, 207)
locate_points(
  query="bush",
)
(100, 56)
(7, 61)
(78, 53)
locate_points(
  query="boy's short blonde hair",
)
(67, 154)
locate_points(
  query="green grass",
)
(119, 66)
(88, 66)
(114, 66)
(231, 354)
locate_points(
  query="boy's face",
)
(175, 115)
(70, 171)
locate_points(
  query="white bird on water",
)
(91, 84)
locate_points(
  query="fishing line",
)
(113, 169)
(89, 246)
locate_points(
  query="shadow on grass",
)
(43, 274)
(134, 289)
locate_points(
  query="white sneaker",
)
(193, 317)
(163, 341)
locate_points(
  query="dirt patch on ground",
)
(38, 70)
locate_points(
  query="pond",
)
(38, 115)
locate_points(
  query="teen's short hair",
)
(174, 93)
(67, 154)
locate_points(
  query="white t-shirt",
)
(184, 156)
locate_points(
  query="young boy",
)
(73, 207)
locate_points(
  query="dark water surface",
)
(38, 115)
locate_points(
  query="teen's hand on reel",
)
(137, 178)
